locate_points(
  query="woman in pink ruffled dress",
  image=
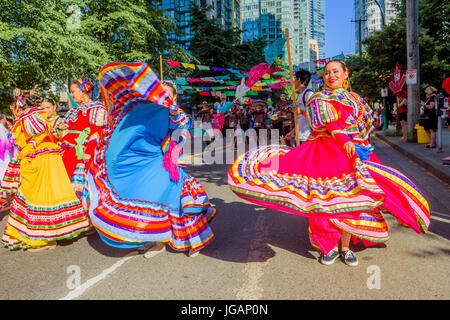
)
(333, 178)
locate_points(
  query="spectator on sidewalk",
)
(402, 113)
(302, 78)
(430, 125)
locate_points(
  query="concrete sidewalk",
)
(430, 159)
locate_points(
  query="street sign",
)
(384, 92)
(411, 76)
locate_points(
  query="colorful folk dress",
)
(82, 128)
(319, 181)
(6, 149)
(57, 125)
(44, 206)
(140, 193)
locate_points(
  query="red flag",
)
(173, 63)
(397, 83)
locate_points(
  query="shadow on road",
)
(97, 244)
(245, 233)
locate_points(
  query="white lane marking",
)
(203, 152)
(439, 218)
(86, 285)
(250, 289)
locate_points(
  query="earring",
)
(345, 84)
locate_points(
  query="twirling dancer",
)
(56, 122)
(6, 145)
(334, 178)
(44, 206)
(83, 125)
(140, 194)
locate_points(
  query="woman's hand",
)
(86, 157)
(20, 156)
(174, 112)
(349, 148)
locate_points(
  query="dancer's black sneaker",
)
(350, 258)
(329, 258)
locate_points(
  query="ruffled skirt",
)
(318, 181)
(134, 201)
(131, 223)
(44, 206)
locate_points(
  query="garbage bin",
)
(422, 136)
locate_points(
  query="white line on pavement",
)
(250, 289)
(83, 287)
(438, 218)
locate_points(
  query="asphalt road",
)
(257, 254)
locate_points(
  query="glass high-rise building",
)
(370, 15)
(305, 20)
(226, 12)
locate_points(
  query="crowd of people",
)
(259, 115)
(116, 168)
(435, 105)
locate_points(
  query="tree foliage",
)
(371, 71)
(213, 45)
(46, 42)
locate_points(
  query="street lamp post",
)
(413, 60)
(385, 124)
(383, 22)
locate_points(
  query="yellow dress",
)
(44, 206)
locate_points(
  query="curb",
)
(444, 176)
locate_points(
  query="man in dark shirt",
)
(206, 117)
(259, 119)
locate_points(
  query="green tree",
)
(371, 71)
(216, 46)
(40, 45)
(46, 42)
(212, 45)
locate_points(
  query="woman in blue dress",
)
(140, 193)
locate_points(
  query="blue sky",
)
(340, 31)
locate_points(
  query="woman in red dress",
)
(84, 124)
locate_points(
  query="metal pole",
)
(385, 120)
(383, 22)
(161, 67)
(291, 71)
(359, 35)
(412, 45)
(439, 135)
(360, 44)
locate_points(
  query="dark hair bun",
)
(88, 81)
(49, 100)
(91, 83)
(30, 102)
